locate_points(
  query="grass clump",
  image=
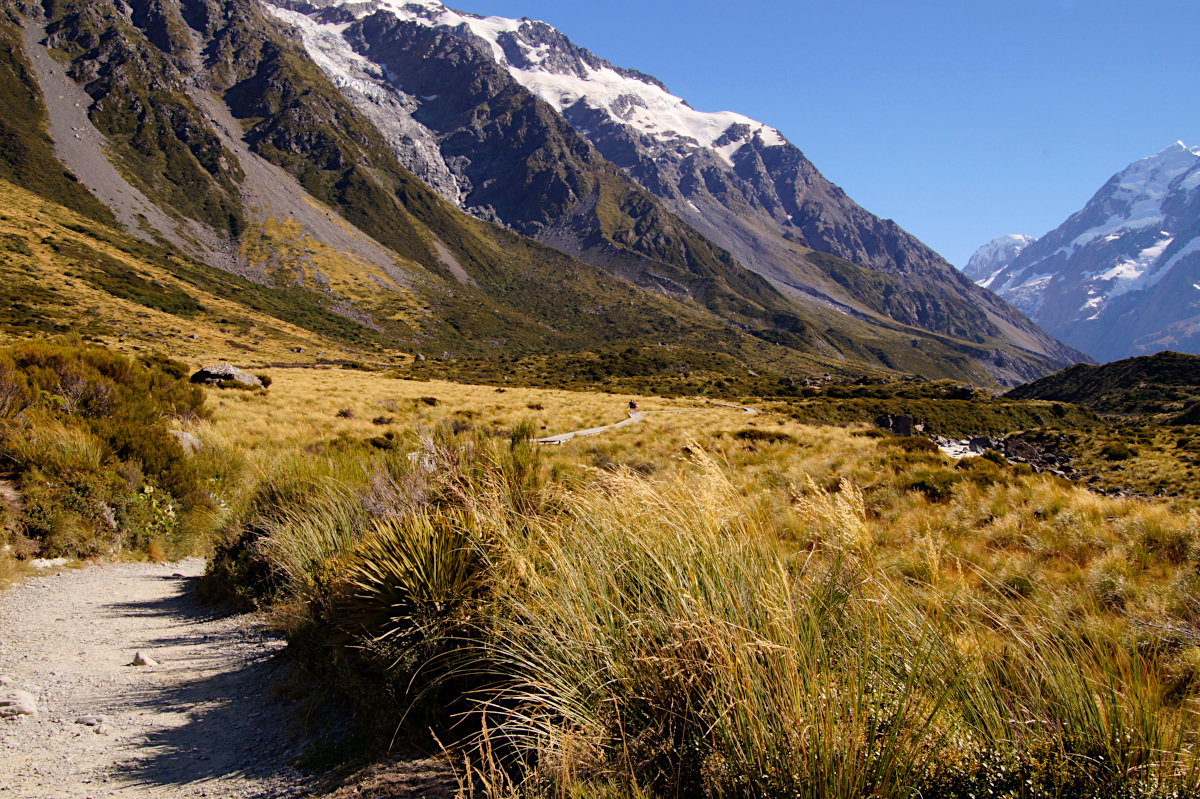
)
(837, 631)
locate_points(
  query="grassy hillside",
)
(1152, 385)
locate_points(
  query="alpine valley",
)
(382, 178)
(1121, 278)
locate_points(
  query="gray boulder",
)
(189, 442)
(221, 372)
(902, 425)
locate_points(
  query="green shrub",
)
(936, 484)
(1118, 451)
(85, 431)
(765, 436)
(910, 444)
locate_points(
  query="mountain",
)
(1121, 277)
(381, 164)
(467, 87)
(995, 255)
(1164, 383)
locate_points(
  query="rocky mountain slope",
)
(736, 181)
(1121, 277)
(211, 127)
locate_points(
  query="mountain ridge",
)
(299, 187)
(1119, 277)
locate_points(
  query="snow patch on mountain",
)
(635, 100)
(373, 91)
(1112, 256)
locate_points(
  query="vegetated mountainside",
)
(231, 145)
(1166, 382)
(726, 177)
(1121, 277)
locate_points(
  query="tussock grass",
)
(798, 621)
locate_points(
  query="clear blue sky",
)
(961, 120)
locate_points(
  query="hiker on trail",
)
(632, 405)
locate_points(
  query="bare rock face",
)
(223, 372)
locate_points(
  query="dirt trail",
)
(205, 722)
(634, 418)
(10, 497)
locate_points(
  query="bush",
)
(936, 484)
(265, 380)
(766, 436)
(85, 432)
(1118, 451)
(910, 444)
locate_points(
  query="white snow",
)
(1191, 247)
(659, 114)
(994, 256)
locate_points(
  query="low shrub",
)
(1118, 451)
(910, 444)
(84, 430)
(765, 436)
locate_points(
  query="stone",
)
(297, 349)
(191, 445)
(52, 563)
(15, 702)
(221, 372)
(1017, 449)
(981, 444)
(902, 425)
(143, 660)
(90, 721)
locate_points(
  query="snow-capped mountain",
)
(995, 255)
(1120, 278)
(457, 96)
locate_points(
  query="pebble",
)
(143, 660)
(15, 702)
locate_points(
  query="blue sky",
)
(960, 120)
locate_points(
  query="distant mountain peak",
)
(1121, 277)
(995, 255)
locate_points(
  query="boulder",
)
(143, 660)
(981, 444)
(51, 563)
(221, 372)
(902, 425)
(1016, 449)
(191, 445)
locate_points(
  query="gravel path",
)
(634, 418)
(205, 722)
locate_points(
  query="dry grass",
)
(224, 331)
